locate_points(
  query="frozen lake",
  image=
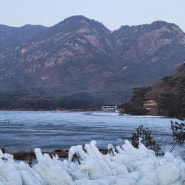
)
(50, 130)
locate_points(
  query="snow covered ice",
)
(124, 165)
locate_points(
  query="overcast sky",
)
(112, 13)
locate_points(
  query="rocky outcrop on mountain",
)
(150, 51)
(82, 55)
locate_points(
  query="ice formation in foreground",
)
(87, 166)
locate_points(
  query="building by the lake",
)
(109, 108)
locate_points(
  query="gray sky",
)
(112, 13)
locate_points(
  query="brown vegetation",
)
(29, 156)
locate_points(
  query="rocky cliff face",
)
(82, 55)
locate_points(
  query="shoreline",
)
(29, 156)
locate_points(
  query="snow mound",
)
(85, 165)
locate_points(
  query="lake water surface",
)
(50, 130)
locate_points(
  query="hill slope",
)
(170, 94)
(165, 97)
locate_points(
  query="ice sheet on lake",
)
(41, 128)
(87, 166)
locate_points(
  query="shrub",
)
(147, 140)
(178, 131)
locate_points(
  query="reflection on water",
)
(50, 130)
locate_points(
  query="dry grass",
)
(29, 156)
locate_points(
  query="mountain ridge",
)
(81, 55)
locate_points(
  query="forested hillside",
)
(169, 93)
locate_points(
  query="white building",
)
(109, 108)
